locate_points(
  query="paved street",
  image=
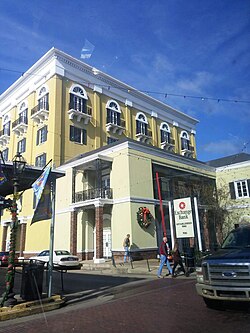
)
(146, 305)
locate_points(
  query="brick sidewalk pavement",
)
(169, 305)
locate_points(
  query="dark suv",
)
(225, 275)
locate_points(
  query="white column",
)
(197, 223)
(171, 223)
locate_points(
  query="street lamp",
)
(8, 299)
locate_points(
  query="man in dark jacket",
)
(164, 250)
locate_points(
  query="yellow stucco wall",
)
(238, 209)
(136, 169)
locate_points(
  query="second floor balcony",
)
(168, 144)
(20, 125)
(144, 136)
(91, 194)
(116, 127)
(80, 113)
(40, 113)
(4, 137)
(188, 151)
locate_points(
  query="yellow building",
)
(61, 108)
(233, 186)
(103, 190)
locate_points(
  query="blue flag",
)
(41, 188)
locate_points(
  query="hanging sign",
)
(183, 218)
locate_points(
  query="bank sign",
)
(183, 218)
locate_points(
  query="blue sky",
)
(194, 48)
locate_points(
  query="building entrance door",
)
(107, 243)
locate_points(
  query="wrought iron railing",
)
(169, 141)
(20, 120)
(94, 193)
(81, 108)
(37, 108)
(5, 132)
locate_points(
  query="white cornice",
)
(239, 165)
(58, 62)
(84, 160)
(155, 152)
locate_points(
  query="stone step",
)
(91, 266)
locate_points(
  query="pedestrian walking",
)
(177, 260)
(164, 251)
(126, 245)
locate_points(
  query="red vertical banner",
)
(161, 207)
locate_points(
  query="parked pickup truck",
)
(225, 274)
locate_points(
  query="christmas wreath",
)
(144, 217)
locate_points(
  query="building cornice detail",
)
(228, 167)
(58, 62)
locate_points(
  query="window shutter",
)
(37, 137)
(232, 190)
(118, 119)
(138, 127)
(71, 133)
(45, 133)
(84, 137)
(71, 101)
(248, 185)
(108, 116)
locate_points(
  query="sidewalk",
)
(134, 272)
(146, 268)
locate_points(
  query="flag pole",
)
(52, 227)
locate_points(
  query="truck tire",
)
(213, 304)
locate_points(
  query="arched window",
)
(78, 99)
(6, 125)
(185, 142)
(141, 124)
(43, 99)
(165, 133)
(113, 113)
(23, 113)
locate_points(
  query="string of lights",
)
(165, 94)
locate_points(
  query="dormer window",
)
(141, 124)
(113, 113)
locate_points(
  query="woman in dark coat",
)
(177, 260)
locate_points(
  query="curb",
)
(30, 308)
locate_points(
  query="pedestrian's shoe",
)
(160, 276)
(174, 275)
(187, 274)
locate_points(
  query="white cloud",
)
(162, 64)
(196, 84)
(223, 147)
